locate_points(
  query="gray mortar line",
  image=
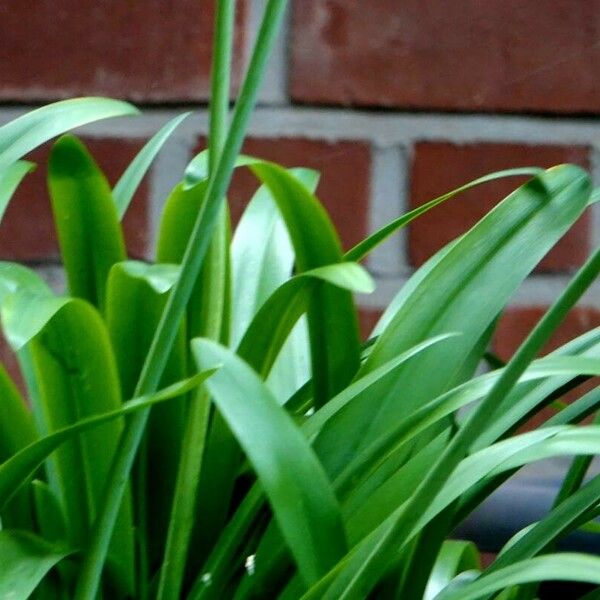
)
(382, 129)
(388, 200)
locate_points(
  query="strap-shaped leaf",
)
(89, 232)
(22, 135)
(128, 183)
(16, 471)
(562, 567)
(302, 499)
(455, 556)
(16, 425)
(367, 245)
(261, 254)
(10, 178)
(136, 295)
(234, 533)
(496, 255)
(26, 313)
(332, 321)
(272, 324)
(77, 378)
(25, 559)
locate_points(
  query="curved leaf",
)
(128, 183)
(10, 178)
(262, 256)
(16, 424)
(301, 496)
(26, 304)
(332, 320)
(277, 316)
(367, 245)
(76, 378)
(25, 559)
(15, 471)
(455, 556)
(562, 567)
(89, 232)
(495, 255)
(136, 295)
(22, 135)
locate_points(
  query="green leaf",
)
(561, 519)
(367, 245)
(207, 315)
(196, 251)
(136, 295)
(227, 546)
(331, 313)
(213, 322)
(301, 496)
(10, 178)
(15, 471)
(77, 378)
(89, 232)
(127, 185)
(272, 324)
(455, 556)
(26, 303)
(49, 514)
(22, 135)
(261, 254)
(555, 567)
(25, 559)
(17, 430)
(375, 457)
(332, 319)
(262, 259)
(16, 425)
(197, 170)
(496, 255)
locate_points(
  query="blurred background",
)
(394, 101)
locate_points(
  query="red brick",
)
(438, 167)
(498, 55)
(343, 188)
(487, 558)
(27, 230)
(144, 50)
(516, 323)
(367, 319)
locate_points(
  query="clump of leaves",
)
(210, 425)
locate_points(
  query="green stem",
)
(164, 337)
(181, 523)
(220, 80)
(184, 499)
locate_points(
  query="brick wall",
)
(395, 102)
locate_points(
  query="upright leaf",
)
(495, 255)
(89, 233)
(303, 502)
(136, 296)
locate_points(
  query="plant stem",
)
(220, 80)
(194, 441)
(164, 337)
